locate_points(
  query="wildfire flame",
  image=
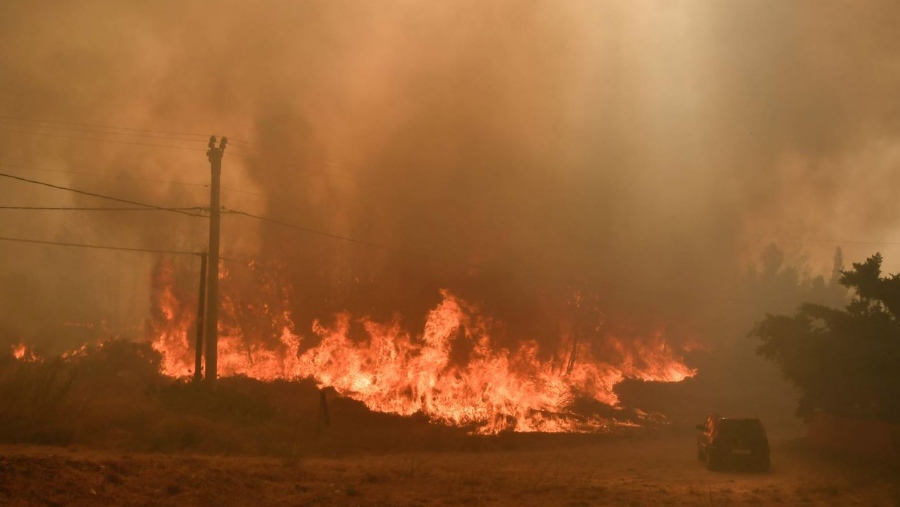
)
(451, 371)
(22, 352)
(19, 351)
(169, 322)
(392, 371)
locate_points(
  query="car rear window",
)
(743, 428)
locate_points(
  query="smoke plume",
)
(524, 156)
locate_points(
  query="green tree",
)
(844, 362)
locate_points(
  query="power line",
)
(72, 208)
(95, 131)
(314, 231)
(201, 137)
(102, 140)
(101, 196)
(419, 256)
(125, 177)
(395, 249)
(100, 247)
(98, 175)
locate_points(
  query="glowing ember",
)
(22, 353)
(79, 352)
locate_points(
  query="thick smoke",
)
(515, 153)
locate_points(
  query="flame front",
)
(450, 371)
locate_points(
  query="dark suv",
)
(732, 441)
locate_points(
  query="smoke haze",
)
(514, 153)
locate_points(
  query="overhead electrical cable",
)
(126, 177)
(313, 231)
(97, 139)
(33, 121)
(100, 247)
(101, 196)
(74, 208)
(109, 176)
(96, 131)
(202, 137)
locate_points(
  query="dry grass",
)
(106, 429)
(113, 398)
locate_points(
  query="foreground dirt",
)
(631, 469)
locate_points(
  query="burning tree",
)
(844, 362)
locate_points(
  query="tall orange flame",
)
(170, 321)
(491, 389)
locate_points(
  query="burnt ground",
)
(638, 467)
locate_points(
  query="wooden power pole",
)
(201, 310)
(212, 282)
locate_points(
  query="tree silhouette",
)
(846, 361)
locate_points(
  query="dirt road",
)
(629, 469)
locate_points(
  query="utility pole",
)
(212, 301)
(201, 310)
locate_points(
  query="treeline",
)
(844, 361)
